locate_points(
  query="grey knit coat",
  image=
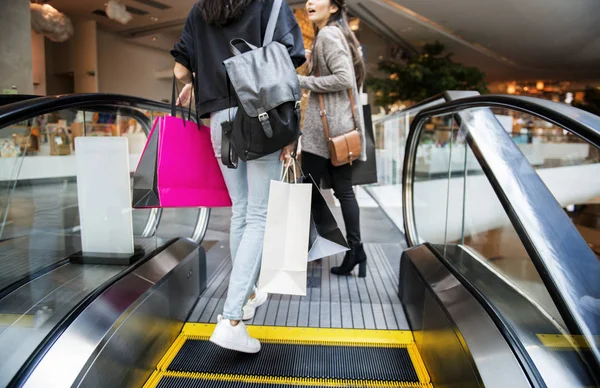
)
(333, 59)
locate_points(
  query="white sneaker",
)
(250, 308)
(234, 337)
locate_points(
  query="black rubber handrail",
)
(579, 122)
(6, 99)
(564, 261)
(509, 334)
(30, 108)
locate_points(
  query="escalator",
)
(487, 291)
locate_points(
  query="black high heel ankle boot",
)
(355, 256)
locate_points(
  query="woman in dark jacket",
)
(203, 47)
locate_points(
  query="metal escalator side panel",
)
(458, 340)
(105, 334)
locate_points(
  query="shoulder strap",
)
(323, 111)
(270, 31)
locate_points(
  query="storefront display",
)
(8, 149)
(60, 144)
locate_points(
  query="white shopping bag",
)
(285, 249)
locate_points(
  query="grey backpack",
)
(268, 92)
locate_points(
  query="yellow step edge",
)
(418, 364)
(287, 381)
(566, 341)
(154, 379)
(323, 336)
(171, 353)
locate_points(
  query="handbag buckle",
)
(263, 117)
(323, 113)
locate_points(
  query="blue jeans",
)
(248, 187)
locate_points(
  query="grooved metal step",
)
(294, 356)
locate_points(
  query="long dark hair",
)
(221, 12)
(340, 19)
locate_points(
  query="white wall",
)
(130, 69)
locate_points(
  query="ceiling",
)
(518, 39)
(507, 39)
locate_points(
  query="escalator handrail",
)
(579, 122)
(6, 99)
(564, 261)
(29, 108)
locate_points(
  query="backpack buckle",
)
(263, 117)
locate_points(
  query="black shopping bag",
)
(325, 238)
(363, 173)
(145, 182)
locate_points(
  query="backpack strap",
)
(229, 157)
(270, 31)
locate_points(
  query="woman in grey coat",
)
(335, 66)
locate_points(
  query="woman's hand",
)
(286, 152)
(186, 95)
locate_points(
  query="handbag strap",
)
(175, 95)
(270, 31)
(323, 112)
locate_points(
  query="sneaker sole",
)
(233, 346)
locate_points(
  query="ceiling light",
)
(539, 85)
(51, 23)
(526, 88)
(154, 19)
(118, 12)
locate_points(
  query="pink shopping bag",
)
(178, 168)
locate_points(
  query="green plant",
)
(423, 76)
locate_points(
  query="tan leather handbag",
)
(343, 149)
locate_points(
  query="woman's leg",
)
(341, 182)
(237, 185)
(316, 167)
(235, 179)
(230, 332)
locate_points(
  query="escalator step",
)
(302, 357)
(303, 361)
(191, 382)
